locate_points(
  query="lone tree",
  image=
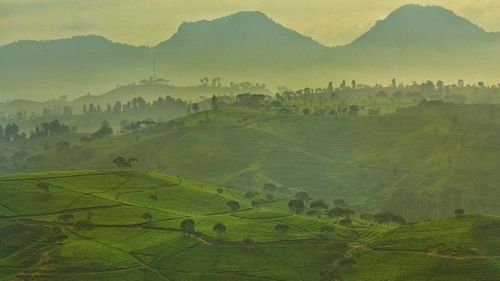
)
(195, 107)
(314, 213)
(233, 205)
(215, 103)
(459, 212)
(335, 212)
(147, 217)
(153, 197)
(297, 206)
(188, 226)
(302, 195)
(43, 186)
(220, 228)
(282, 228)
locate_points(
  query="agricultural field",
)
(420, 162)
(127, 225)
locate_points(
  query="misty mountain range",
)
(413, 43)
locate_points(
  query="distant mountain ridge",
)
(412, 43)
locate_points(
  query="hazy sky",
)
(148, 22)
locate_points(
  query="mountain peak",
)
(246, 29)
(248, 15)
(417, 24)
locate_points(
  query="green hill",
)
(421, 162)
(91, 225)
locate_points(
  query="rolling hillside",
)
(91, 225)
(425, 161)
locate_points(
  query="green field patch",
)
(181, 199)
(37, 201)
(80, 254)
(391, 266)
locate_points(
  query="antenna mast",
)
(154, 69)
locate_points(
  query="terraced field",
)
(421, 162)
(91, 225)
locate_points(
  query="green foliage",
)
(297, 206)
(147, 217)
(220, 228)
(233, 205)
(188, 226)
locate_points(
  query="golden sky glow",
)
(148, 22)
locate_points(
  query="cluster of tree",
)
(80, 225)
(270, 193)
(128, 126)
(11, 133)
(245, 86)
(23, 115)
(339, 212)
(150, 80)
(51, 128)
(385, 218)
(104, 131)
(121, 162)
(337, 259)
(251, 100)
(137, 104)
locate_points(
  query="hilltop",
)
(125, 225)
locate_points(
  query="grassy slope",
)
(122, 246)
(375, 162)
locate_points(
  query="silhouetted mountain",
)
(415, 25)
(423, 42)
(237, 35)
(245, 45)
(71, 66)
(413, 43)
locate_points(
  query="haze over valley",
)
(240, 149)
